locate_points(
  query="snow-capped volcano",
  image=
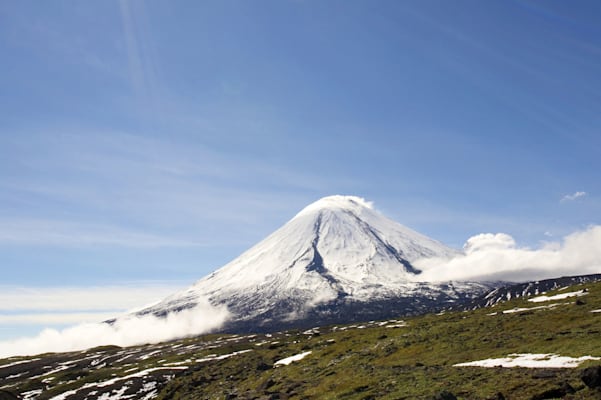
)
(337, 252)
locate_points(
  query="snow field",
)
(528, 360)
(540, 299)
(291, 359)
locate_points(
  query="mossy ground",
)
(369, 361)
(416, 361)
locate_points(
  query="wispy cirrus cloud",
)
(127, 190)
(48, 232)
(56, 318)
(573, 196)
(83, 298)
(143, 64)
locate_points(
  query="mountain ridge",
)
(510, 291)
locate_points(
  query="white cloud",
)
(490, 257)
(488, 241)
(72, 299)
(87, 307)
(126, 331)
(573, 196)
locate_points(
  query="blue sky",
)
(148, 143)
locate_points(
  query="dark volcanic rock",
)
(264, 367)
(4, 395)
(559, 392)
(545, 374)
(592, 376)
(344, 311)
(444, 395)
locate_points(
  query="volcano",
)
(337, 261)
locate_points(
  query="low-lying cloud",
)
(494, 257)
(127, 330)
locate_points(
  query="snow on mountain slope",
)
(336, 248)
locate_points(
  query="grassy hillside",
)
(412, 359)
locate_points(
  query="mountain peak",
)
(337, 202)
(337, 249)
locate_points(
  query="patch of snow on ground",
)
(16, 376)
(288, 360)
(61, 367)
(112, 381)
(115, 394)
(214, 357)
(18, 362)
(148, 355)
(33, 394)
(123, 358)
(136, 375)
(527, 360)
(150, 395)
(98, 361)
(596, 311)
(540, 299)
(401, 324)
(517, 310)
(64, 395)
(171, 364)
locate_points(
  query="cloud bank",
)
(492, 257)
(128, 330)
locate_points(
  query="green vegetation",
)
(369, 361)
